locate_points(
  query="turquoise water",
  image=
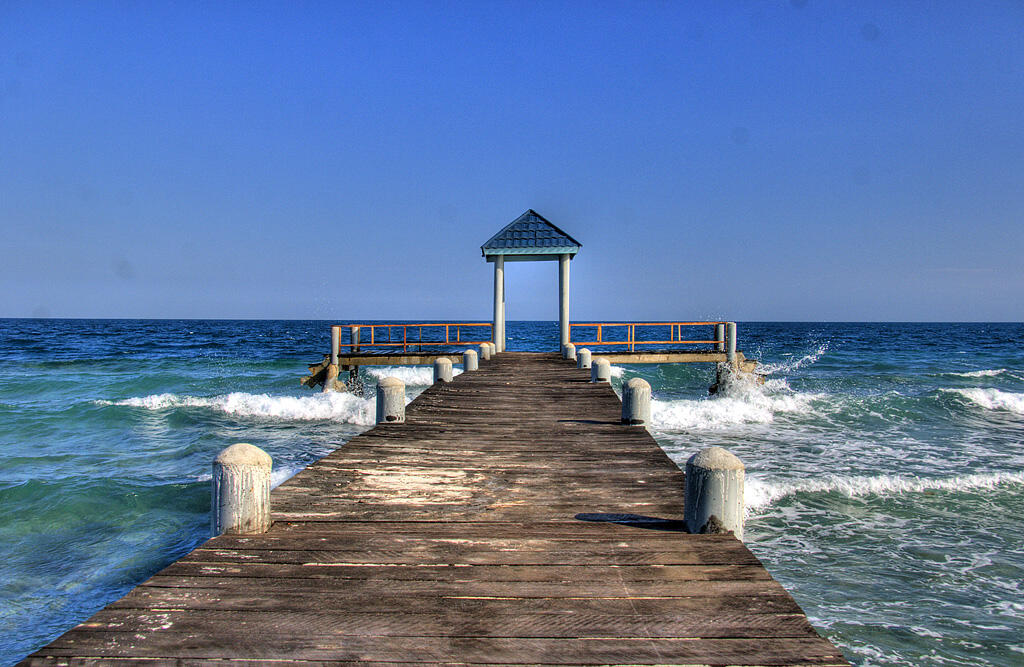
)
(885, 464)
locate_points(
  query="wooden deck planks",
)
(511, 520)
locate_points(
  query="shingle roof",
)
(533, 234)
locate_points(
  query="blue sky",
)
(743, 160)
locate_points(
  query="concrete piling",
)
(354, 335)
(240, 498)
(636, 402)
(335, 344)
(469, 360)
(569, 352)
(485, 351)
(714, 492)
(442, 370)
(720, 337)
(583, 358)
(601, 370)
(730, 343)
(390, 401)
(331, 378)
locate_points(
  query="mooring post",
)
(714, 492)
(469, 360)
(390, 401)
(583, 358)
(636, 402)
(601, 370)
(494, 348)
(730, 343)
(720, 337)
(442, 370)
(485, 351)
(569, 352)
(240, 499)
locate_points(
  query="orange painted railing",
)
(675, 333)
(411, 335)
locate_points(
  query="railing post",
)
(601, 370)
(469, 360)
(636, 402)
(583, 358)
(390, 401)
(240, 498)
(714, 492)
(730, 343)
(442, 370)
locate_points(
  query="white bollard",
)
(636, 402)
(390, 401)
(485, 351)
(240, 499)
(442, 370)
(714, 492)
(569, 352)
(730, 343)
(494, 349)
(601, 370)
(469, 360)
(583, 358)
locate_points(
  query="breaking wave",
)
(786, 366)
(991, 399)
(739, 403)
(335, 406)
(760, 493)
(420, 376)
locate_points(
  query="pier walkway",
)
(511, 520)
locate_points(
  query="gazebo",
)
(530, 238)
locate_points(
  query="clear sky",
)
(785, 160)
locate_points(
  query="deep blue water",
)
(885, 463)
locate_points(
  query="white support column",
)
(498, 327)
(563, 298)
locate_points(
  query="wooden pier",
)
(511, 520)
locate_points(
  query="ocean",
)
(885, 463)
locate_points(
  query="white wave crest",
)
(617, 371)
(992, 399)
(753, 404)
(981, 374)
(278, 476)
(421, 376)
(786, 366)
(336, 406)
(760, 493)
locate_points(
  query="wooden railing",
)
(405, 336)
(675, 333)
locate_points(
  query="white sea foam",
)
(737, 403)
(617, 371)
(336, 406)
(981, 374)
(278, 476)
(422, 376)
(992, 399)
(786, 366)
(760, 493)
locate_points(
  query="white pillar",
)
(563, 298)
(569, 352)
(730, 343)
(241, 490)
(442, 370)
(720, 337)
(335, 343)
(636, 402)
(498, 328)
(601, 370)
(390, 400)
(714, 492)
